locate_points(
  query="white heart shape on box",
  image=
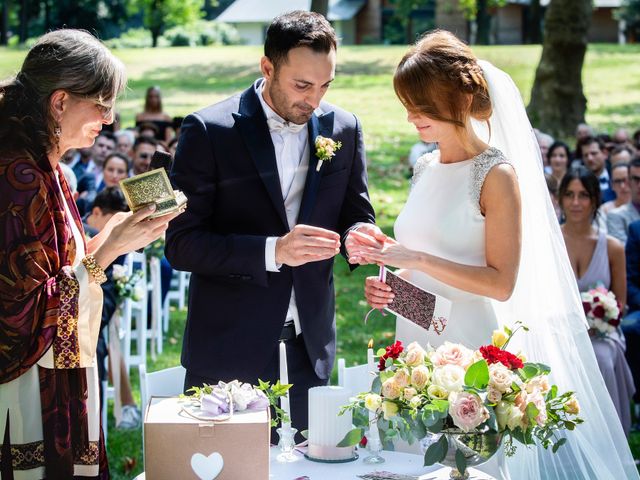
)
(207, 468)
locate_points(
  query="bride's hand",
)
(365, 235)
(391, 254)
(377, 293)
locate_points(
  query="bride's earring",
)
(57, 132)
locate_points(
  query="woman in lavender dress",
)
(598, 259)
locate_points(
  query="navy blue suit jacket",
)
(226, 165)
(632, 253)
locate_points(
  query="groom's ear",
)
(267, 68)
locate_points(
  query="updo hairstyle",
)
(440, 77)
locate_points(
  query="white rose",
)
(436, 391)
(452, 354)
(420, 377)
(372, 402)
(493, 395)
(449, 377)
(500, 377)
(390, 389)
(409, 392)
(402, 378)
(540, 383)
(389, 409)
(119, 271)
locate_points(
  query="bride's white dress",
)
(442, 217)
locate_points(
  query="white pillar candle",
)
(284, 380)
(373, 424)
(326, 427)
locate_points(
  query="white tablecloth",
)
(396, 462)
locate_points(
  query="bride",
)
(478, 228)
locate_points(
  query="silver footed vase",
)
(477, 447)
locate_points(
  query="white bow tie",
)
(284, 127)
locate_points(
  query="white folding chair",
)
(167, 382)
(177, 292)
(357, 379)
(135, 311)
(155, 288)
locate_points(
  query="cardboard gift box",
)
(179, 446)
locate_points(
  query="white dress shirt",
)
(291, 148)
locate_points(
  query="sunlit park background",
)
(191, 77)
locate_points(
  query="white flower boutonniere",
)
(326, 148)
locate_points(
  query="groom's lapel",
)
(253, 129)
(318, 125)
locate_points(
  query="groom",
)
(265, 218)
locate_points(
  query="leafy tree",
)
(159, 15)
(557, 102)
(480, 11)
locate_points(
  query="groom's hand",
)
(306, 244)
(365, 235)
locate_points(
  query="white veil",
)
(547, 300)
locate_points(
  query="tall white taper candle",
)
(373, 425)
(284, 379)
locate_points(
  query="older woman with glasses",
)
(50, 297)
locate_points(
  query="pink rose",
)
(538, 400)
(467, 410)
(452, 354)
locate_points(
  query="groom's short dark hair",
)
(298, 29)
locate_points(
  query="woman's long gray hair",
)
(69, 60)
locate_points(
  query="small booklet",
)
(152, 187)
(416, 304)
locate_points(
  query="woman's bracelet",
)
(95, 270)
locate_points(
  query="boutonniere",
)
(326, 148)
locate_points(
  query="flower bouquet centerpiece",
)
(127, 286)
(602, 311)
(221, 401)
(463, 403)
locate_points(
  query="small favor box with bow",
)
(179, 443)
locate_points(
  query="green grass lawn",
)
(191, 78)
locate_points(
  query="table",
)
(396, 462)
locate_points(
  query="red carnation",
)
(493, 354)
(587, 307)
(614, 322)
(392, 351)
(598, 311)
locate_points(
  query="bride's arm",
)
(500, 203)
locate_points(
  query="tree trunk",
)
(4, 23)
(483, 22)
(320, 6)
(155, 34)
(557, 102)
(47, 15)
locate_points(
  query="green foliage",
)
(477, 375)
(629, 11)
(436, 451)
(353, 437)
(202, 33)
(161, 14)
(132, 38)
(469, 8)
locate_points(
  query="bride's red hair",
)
(440, 77)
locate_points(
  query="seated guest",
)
(583, 131)
(107, 203)
(147, 129)
(559, 159)
(620, 185)
(116, 168)
(552, 187)
(621, 154)
(124, 142)
(154, 114)
(544, 142)
(598, 260)
(631, 323)
(143, 150)
(594, 157)
(619, 218)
